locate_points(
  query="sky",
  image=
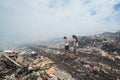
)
(27, 20)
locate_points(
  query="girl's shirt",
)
(66, 42)
(75, 44)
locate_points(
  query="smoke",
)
(32, 20)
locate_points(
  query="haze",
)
(30, 20)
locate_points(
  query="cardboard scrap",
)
(50, 71)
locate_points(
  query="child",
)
(66, 43)
(75, 44)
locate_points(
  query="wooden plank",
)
(5, 55)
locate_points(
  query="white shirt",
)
(66, 42)
(75, 43)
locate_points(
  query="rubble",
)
(9, 51)
(40, 68)
(50, 71)
(96, 61)
(62, 75)
(5, 55)
(20, 59)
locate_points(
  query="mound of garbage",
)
(98, 59)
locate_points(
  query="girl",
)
(66, 43)
(75, 44)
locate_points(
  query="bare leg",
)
(76, 51)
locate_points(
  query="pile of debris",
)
(98, 59)
(29, 66)
(92, 64)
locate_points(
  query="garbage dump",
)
(98, 59)
(30, 66)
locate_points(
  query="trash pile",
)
(107, 41)
(29, 65)
(90, 64)
(98, 59)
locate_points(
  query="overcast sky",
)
(44, 19)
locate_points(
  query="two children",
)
(74, 44)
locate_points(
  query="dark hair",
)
(75, 37)
(64, 37)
